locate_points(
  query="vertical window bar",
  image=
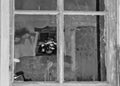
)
(60, 60)
(12, 39)
(4, 45)
(111, 17)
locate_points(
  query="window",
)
(61, 42)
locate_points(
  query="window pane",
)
(84, 5)
(35, 4)
(84, 48)
(35, 48)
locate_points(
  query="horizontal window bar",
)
(84, 13)
(58, 84)
(32, 12)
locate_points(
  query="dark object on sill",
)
(21, 73)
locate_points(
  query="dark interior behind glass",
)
(84, 48)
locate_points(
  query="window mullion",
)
(61, 41)
(111, 25)
(12, 40)
(84, 13)
(4, 45)
(36, 12)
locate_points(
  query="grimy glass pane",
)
(35, 4)
(35, 48)
(84, 48)
(84, 5)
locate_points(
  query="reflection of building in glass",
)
(24, 43)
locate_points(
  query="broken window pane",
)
(84, 5)
(35, 48)
(84, 58)
(35, 4)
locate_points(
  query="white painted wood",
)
(4, 50)
(111, 59)
(62, 84)
(84, 13)
(118, 23)
(32, 12)
(0, 39)
(61, 40)
(118, 42)
(11, 41)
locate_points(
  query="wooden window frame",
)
(6, 32)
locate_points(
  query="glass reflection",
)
(35, 4)
(84, 48)
(84, 5)
(35, 52)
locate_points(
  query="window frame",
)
(7, 26)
